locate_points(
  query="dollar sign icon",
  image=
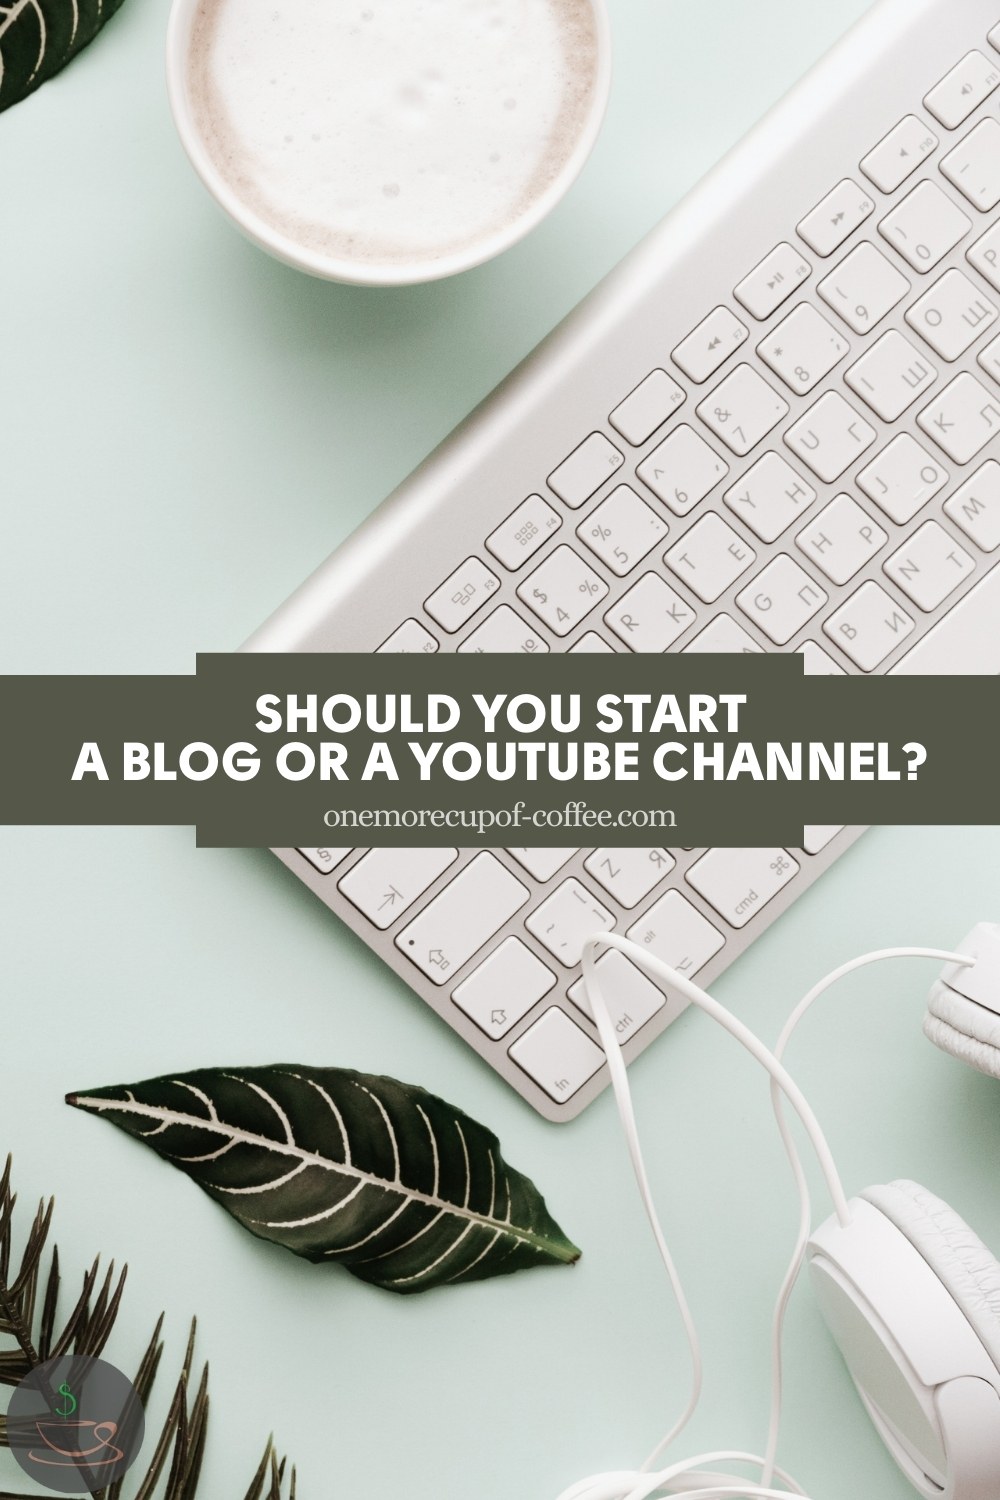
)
(71, 1402)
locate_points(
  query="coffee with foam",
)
(391, 131)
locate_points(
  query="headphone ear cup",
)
(963, 1029)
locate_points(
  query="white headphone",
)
(909, 1293)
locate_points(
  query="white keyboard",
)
(774, 427)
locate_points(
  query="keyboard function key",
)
(963, 89)
(723, 636)
(677, 934)
(890, 375)
(470, 910)
(769, 497)
(557, 1054)
(781, 599)
(631, 998)
(542, 864)
(710, 344)
(409, 637)
(803, 348)
(985, 256)
(709, 557)
(952, 315)
(963, 418)
(650, 617)
(591, 644)
(523, 532)
(975, 507)
(505, 631)
(899, 154)
(929, 566)
(629, 874)
(841, 539)
(566, 919)
(773, 281)
(864, 287)
(836, 218)
(738, 882)
(742, 410)
(819, 663)
(647, 407)
(461, 595)
(386, 882)
(902, 479)
(830, 437)
(622, 530)
(869, 626)
(325, 860)
(504, 988)
(925, 226)
(974, 166)
(585, 470)
(682, 470)
(993, 37)
(562, 590)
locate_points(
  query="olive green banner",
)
(480, 750)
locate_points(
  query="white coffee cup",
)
(320, 260)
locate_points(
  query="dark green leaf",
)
(405, 1190)
(39, 37)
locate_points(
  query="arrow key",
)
(388, 881)
(503, 989)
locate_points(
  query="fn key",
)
(462, 918)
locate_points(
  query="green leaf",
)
(39, 37)
(404, 1190)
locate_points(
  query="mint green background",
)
(187, 428)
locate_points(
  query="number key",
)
(742, 409)
(803, 348)
(562, 590)
(622, 530)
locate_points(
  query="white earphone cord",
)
(695, 1479)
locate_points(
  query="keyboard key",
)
(830, 436)
(773, 281)
(622, 530)
(864, 287)
(781, 599)
(962, 419)
(677, 934)
(682, 470)
(966, 643)
(629, 874)
(523, 532)
(963, 89)
(386, 882)
(710, 345)
(975, 507)
(869, 626)
(742, 410)
(816, 836)
(709, 557)
(890, 376)
(565, 921)
(993, 37)
(769, 497)
(925, 226)
(650, 617)
(985, 256)
(989, 358)
(461, 595)
(586, 469)
(974, 166)
(557, 1054)
(325, 860)
(543, 863)
(409, 637)
(654, 400)
(929, 566)
(803, 348)
(836, 218)
(723, 636)
(952, 315)
(465, 915)
(841, 539)
(505, 631)
(738, 882)
(630, 997)
(818, 663)
(504, 988)
(592, 643)
(902, 478)
(562, 590)
(899, 154)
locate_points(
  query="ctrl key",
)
(557, 1055)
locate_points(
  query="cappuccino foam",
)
(391, 131)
